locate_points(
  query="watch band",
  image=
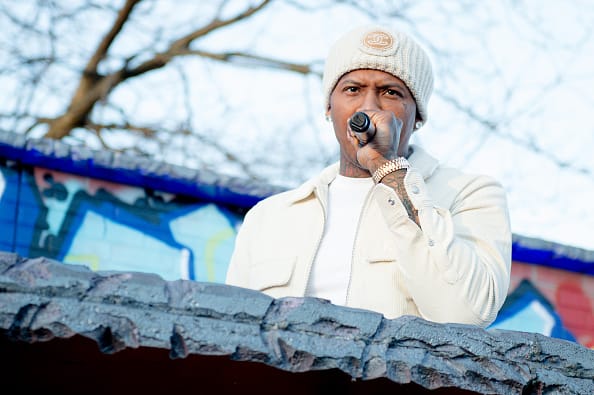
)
(390, 167)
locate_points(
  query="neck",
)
(351, 170)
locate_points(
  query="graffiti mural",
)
(528, 309)
(555, 300)
(109, 226)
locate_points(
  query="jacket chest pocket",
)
(271, 272)
(376, 251)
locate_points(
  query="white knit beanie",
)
(377, 48)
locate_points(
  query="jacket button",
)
(431, 243)
(391, 201)
(415, 189)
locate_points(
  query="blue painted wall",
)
(111, 226)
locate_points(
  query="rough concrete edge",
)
(43, 299)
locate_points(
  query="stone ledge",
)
(43, 300)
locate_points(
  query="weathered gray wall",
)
(42, 300)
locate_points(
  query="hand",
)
(384, 146)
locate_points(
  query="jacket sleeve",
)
(237, 272)
(457, 264)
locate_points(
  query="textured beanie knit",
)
(377, 48)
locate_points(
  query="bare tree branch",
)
(103, 47)
(184, 42)
(93, 87)
(241, 58)
(495, 127)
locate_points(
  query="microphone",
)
(363, 128)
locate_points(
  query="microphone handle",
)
(361, 125)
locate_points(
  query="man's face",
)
(365, 89)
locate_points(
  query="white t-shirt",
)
(331, 269)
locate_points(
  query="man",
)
(387, 228)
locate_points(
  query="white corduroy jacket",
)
(454, 268)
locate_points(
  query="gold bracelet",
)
(390, 167)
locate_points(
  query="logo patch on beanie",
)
(378, 40)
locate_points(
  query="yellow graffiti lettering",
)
(210, 249)
(92, 261)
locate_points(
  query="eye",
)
(394, 92)
(351, 89)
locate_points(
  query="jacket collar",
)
(423, 162)
(318, 185)
(420, 160)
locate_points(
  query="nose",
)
(370, 101)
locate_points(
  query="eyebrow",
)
(348, 81)
(387, 84)
(392, 85)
